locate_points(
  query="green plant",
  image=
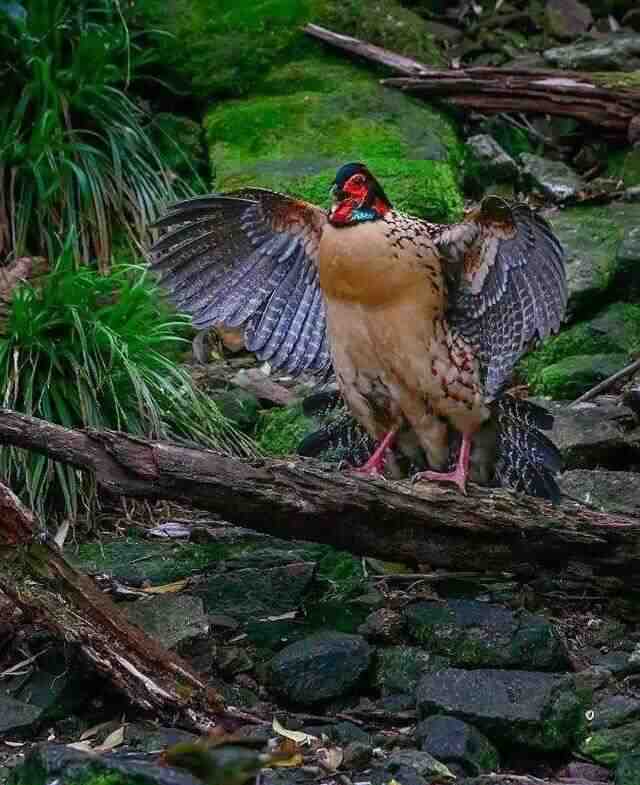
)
(98, 351)
(76, 155)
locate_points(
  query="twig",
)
(607, 383)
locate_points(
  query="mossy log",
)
(38, 579)
(572, 546)
(615, 109)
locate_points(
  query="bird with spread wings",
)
(421, 323)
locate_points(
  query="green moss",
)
(294, 141)
(607, 746)
(624, 164)
(228, 47)
(573, 376)
(280, 431)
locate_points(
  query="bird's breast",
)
(365, 264)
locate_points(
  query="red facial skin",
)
(357, 191)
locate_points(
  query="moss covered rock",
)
(223, 47)
(573, 376)
(280, 431)
(314, 115)
(607, 746)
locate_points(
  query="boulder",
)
(553, 180)
(572, 376)
(453, 741)
(170, 618)
(472, 634)
(320, 668)
(567, 19)
(609, 745)
(410, 767)
(616, 492)
(512, 707)
(608, 53)
(400, 668)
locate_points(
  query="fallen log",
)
(424, 524)
(38, 579)
(592, 98)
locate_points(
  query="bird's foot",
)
(459, 475)
(375, 465)
(456, 476)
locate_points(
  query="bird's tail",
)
(509, 451)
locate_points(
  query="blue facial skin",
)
(364, 214)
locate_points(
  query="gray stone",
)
(357, 755)
(567, 19)
(148, 737)
(247, 594)
(613, 711)
(552, 179)
(170, 618)
(579, 770)
(613, 52)
(400, 668)
(628, 769)
(15, 714)
(320, 668)
(384, 624)
(594, 433)
(410, 767)
(608, 491)
(592, 238)
(472, 634)
(489, 161)
(607, 746)
(573, 376)
(240, 406)
(538, 710)
(453, 741)
(612, 326)
(628, 259)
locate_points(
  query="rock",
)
(17, 715)
(384, 625)
(613, 52)
(357, 755)
(289, 138)
(59, 763)
(592, 239)
(537, 710)
(170, 618)
(617, 327)
(453, 741)
(410, 767)
(628, 261)
(254, 382)
(579, 770)
(471, 634)
(319, 668)
(594, 434)
(628, 769)
(609, 491)
(487, 162)
(607, 746)
(248, 594)
(572, 376)
(613, 711)
(242, 407)
(567, 19)
(148, 737)
(553, 180)
(400, 668)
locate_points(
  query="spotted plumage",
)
(422, 324)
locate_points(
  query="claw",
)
(459, 475)
(375, 465)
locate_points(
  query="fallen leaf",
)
(167, 588)
(300, 737)
(282, 617)
(85, 746)
(330, 758)
(96, 729)
(287, 763)
(15, 743)
(113, 740)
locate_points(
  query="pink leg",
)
(375, 464)
(459, 474)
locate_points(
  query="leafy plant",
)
(98, 351)
(76, 152)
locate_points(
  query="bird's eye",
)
(358, 179)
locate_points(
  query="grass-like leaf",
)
(98, 351)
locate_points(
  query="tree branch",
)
(303, 499)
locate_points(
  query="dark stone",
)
(476, 634)
(579, 770)
(410, 767)
(400, 668)
(538, 710)
(614, 711)
(170, 618)
(240, 406)
(453, 741)
(613, 52)
(383, 625)
(15, 714)
(150, 738)
(319, 668)
(567, 19)
(248, 594)
(489, 162)
(552, 179)
(628, 769)
(357, 755)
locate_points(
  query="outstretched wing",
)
(249, 258)
(508, 286)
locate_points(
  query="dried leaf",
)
(330, 758)
(84, 746)
(167, 588)
(96, 729)
(282, 617)
(295, 735)
(113, 740)
(287, 763)
(14, 743)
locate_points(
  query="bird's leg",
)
(375, 464)
(459, 474)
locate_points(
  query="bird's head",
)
(357, 196)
